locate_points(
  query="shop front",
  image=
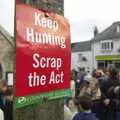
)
(108, 61)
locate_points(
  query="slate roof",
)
(109, 33)
(81, 46)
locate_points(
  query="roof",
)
(109, 33)
(81, 46)
(8, 37)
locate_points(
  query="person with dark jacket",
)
(113, 105)
(8, 109)
(109, 112)
(1, 102)
(95, 93)
(3, 89)
(111, 82)
(84, 107)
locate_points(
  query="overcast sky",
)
(7, 15)
(83, 15)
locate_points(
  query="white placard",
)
(10, 79)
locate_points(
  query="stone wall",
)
(52, 110)
(7, 53)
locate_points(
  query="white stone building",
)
(100, 52)
(81, 55)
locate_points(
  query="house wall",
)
(76, 62)
(98, 52)
(7, 55)
(91, 55)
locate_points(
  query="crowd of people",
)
(6, 101)
(95, 96)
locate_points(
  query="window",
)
(111, 45)
(107, 46)
(102, 46)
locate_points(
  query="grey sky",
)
(82, 14)
(7, 15)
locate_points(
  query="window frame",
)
(107, 45)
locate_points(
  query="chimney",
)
(95, 31)
(118, 29)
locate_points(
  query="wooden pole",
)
(52, 110)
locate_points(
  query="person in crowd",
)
(69, 109)
(104, 90)
(67, 113)
(1, 115)
(72, 86)
(94, 72)
(107, 87)
(111, 82)
(79, 79)
(87, 77)
(8, 105)
(112, 104)
(71, 105)
(118, 76)
(102, 78)
(84, 107)
(74, 74)
(94, 92)
(106, 73)
(3, 89)
(93, 89)
(82, 90)
(117, 102)
(78, 82)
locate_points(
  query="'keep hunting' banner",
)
(43, 51)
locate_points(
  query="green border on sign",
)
(38, 99)
(108, 57)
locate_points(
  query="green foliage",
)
(72, 45)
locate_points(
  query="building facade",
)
(104, 52)
(81, 56)
(7, 53)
